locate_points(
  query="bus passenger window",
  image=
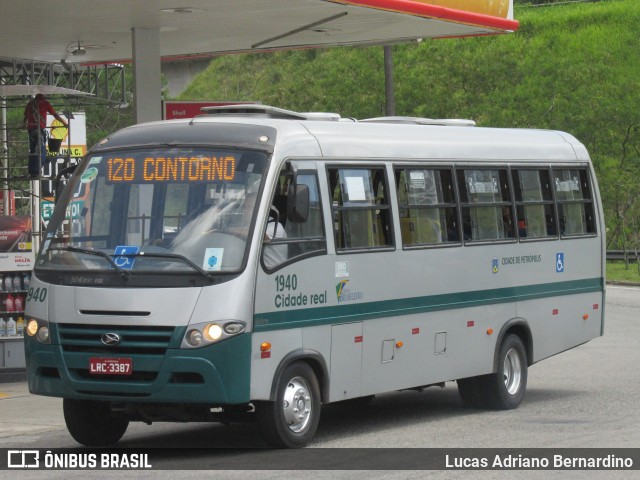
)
(295, 238)
(360, 208)
(427, 206)
(487, 213)
(575, 203)
(534, 203)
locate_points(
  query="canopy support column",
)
(146, 71)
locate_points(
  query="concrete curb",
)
(617, 283)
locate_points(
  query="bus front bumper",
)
(215, 375)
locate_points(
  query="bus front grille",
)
(145, 347)
(128, 339)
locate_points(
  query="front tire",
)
(92, 423)
(292, 420)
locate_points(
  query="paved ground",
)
(584, 398)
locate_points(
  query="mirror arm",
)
(56, 181)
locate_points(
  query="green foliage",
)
(572, 67)
(104, 119)
(621, 272)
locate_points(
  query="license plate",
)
(110, 366)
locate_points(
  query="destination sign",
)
(171, 169)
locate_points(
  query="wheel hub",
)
(512, 371)
(297, 405)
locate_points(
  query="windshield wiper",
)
(125, 273)
(175, 256)
(98, 253)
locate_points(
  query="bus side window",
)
(427, 206)
(360, 208)
(294, 238)
(575, 203)
(535, 215)
(487, 213)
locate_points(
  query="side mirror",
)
(298, 203)
(61, 181)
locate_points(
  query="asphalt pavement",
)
(584, 398)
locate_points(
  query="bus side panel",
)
(560, 323)
(347, 342)
(570, 313)
(414, 350)
(264, 364)
(291, 313)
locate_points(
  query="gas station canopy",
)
(23, 90)
(98, 31)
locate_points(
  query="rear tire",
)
(92, 423)
(503, 390)
(292, 420)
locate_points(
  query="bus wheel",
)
(92, 424)
(292, 420)
(505, 389)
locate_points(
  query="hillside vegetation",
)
(573, 67)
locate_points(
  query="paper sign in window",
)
(355, 189)
(417, 179)
(213, 259)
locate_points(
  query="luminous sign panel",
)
(171, 169)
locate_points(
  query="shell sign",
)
(77, 133)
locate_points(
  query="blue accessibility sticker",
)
(559, 262)
(124, 256)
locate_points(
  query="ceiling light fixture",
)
(76, 49)
(79, 48)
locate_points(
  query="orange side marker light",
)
(265, 350)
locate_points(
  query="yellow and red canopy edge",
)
(491, 14)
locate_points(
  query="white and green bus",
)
(256, 263)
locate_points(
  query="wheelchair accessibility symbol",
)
(559, 262)
(122, 256)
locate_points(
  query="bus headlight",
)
(203, 334)
(194, 338)
(32, 327)
(39, 329)
(43, 334)
(213, 332)
(233, 328)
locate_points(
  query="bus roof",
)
(315, 136)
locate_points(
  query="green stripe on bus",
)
(353, 312)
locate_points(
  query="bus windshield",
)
(160, 210)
